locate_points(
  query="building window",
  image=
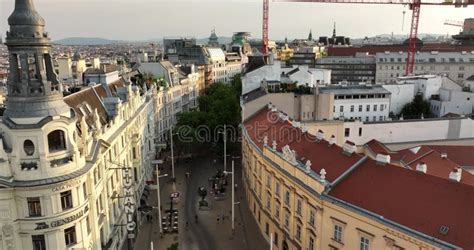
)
(460, 75)
(266, 228)
(360, 108)
(56, 141)
(347, 132)
(39, 242)
(298, 232)
(360, 131)
(269, 180)
(367, 108)
(341, 108)
(88, 225)
(66, 200)
(34, 206)
(311, 243)
(70, 236)
(287, 220)
(298, 206)
(375, 107)
(364, 243)
(276, 239)
(287, 198)
(277, 211)
(84, 190)
(338, 233)
(311, 217)
(381, 107)
(277, 189)
(29, 147)
(352, 108)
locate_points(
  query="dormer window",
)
(56, 141)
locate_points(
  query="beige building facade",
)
(289, 188)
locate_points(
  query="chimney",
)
(421, 167)
(455, 175)
(319, 135)
(382, 159)
(444, 155)
(304, 129)
(348, 148)
(332, 140)
(296, 124)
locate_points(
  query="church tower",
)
(38, 127)
(34, 91)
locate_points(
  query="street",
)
(212, 230)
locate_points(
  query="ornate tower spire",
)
(33, 88)
(334, 31)
(310, 36)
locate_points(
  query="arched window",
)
(56, 141)
(29, 147)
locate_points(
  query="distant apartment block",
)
(349, 69)
(456, 65)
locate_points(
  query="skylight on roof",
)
(444, 230)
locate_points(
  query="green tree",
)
(218, 106)
(416, 108)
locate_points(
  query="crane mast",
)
(265, 27)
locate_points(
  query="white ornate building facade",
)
(72, 169)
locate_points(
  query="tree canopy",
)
(416, 108)
(219, 105)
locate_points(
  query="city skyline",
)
(226, 20)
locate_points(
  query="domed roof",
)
(77, 56)
(25, 14)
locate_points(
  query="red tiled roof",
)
(419, 201)
(431, 155)
(266, 123)
(441, 167)
(402, 156)
(462, 155)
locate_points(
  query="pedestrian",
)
(196, 218)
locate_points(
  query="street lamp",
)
(233, 192)
(225, 148)
(158, 176)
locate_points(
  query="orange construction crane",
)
(414, 5)
(265, 27)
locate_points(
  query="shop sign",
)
(129, 201)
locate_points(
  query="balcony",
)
(61, 161)
(29, 165)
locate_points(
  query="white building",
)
(452, 101)
(455, 65)
(274, 72)
(359, 102)
(163, 69)
(217, 62)
(72, 169)
(233, 65)
(179, 95)
(105, 75)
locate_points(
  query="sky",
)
(151, 19)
